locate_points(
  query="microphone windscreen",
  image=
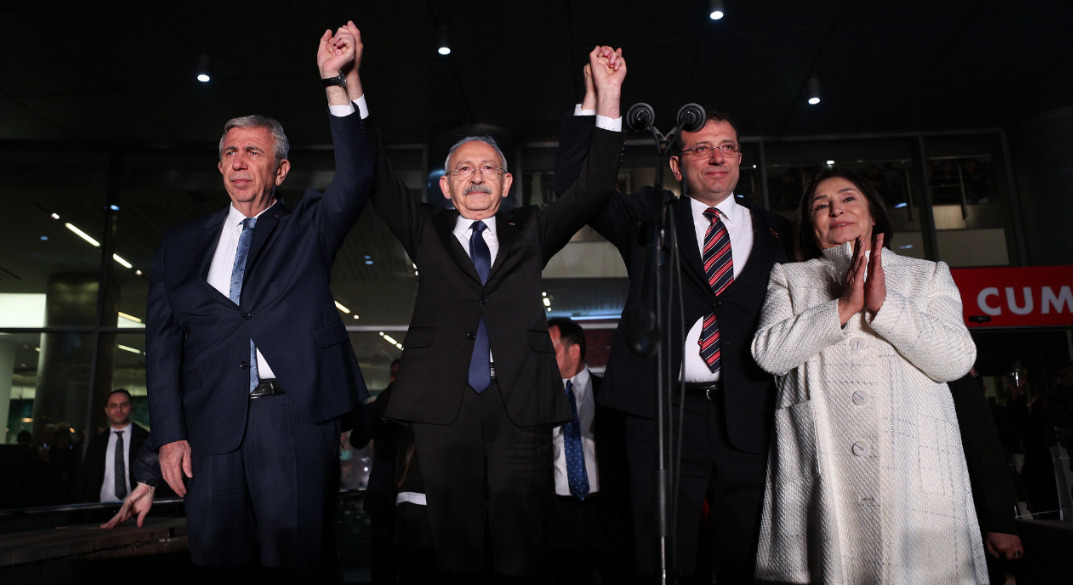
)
(640, 117)
(691, 118)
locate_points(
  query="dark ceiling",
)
(123, 70)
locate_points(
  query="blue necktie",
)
(236, 285)
(576, 476)
(480, 375)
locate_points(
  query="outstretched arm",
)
(599, 172)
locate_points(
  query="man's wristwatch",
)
(337, 80)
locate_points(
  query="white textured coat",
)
(866, 475)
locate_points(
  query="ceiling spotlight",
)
(716, 11)
(203, 68)
(813, 91)
(445, 46)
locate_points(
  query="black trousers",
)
(485, 475)
(713, 471)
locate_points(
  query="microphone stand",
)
(691, 117)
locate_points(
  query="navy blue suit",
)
(283, 448)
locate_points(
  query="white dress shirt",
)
(586, 410)
(739, 223)
(223, 262)
(108, 483)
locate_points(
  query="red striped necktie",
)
(719, 268)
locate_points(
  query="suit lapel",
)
(206, 249)
(506, 233)
(766, 245)
(444, 223)
(266, 224)
(688, 252)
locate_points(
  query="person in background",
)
(106, 473)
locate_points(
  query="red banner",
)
(1030, 296)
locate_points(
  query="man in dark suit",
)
(727, 399)
(588, 520)
(106, 471)
(249, 365)
(993, 491)
(478, 379)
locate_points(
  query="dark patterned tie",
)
(237, 273)
(719, 268)
(480, 375)
(120, 469)
(576, 475)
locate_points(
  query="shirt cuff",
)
(358, 104)
(611, 124)
(579, 112)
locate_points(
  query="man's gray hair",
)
(255, 121)
(485, 139)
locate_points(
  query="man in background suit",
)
(588, 519)
(249, 365)
(993, 491)
(106, 471)
(478, 379)
(728, 400)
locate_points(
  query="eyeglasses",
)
(467, 171)
(706, 150)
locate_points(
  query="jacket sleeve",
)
(929, 332)
(338, 208)
(396, 205)
(587, 196)
(993, 490)
(163, 358)
(784, 339)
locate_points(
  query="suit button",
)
(718, 303)
(860, 449)
(245, 365)
(859, 398)
(471, 336)
(247, 316)
(483, 301)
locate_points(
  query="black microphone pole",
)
(648, 333)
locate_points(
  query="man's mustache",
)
(478, 189)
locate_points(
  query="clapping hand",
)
(865, 284)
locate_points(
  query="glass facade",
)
(82, 226)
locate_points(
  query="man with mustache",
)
(478, 379)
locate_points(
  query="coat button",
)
(471, 336)
(247, 316)
(860, 449)
(245, 365)
(859, 398)
(856, 344)
(483, 301)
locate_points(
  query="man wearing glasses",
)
(726, 248)
(478, 379)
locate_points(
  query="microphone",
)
(691, 118)
(639, 117)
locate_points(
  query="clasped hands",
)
(865, 285)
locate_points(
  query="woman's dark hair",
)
(805, 245)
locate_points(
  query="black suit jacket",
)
(451, 299)
(993, 490)
(197, 340)
(630, 381)
(91, 472)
